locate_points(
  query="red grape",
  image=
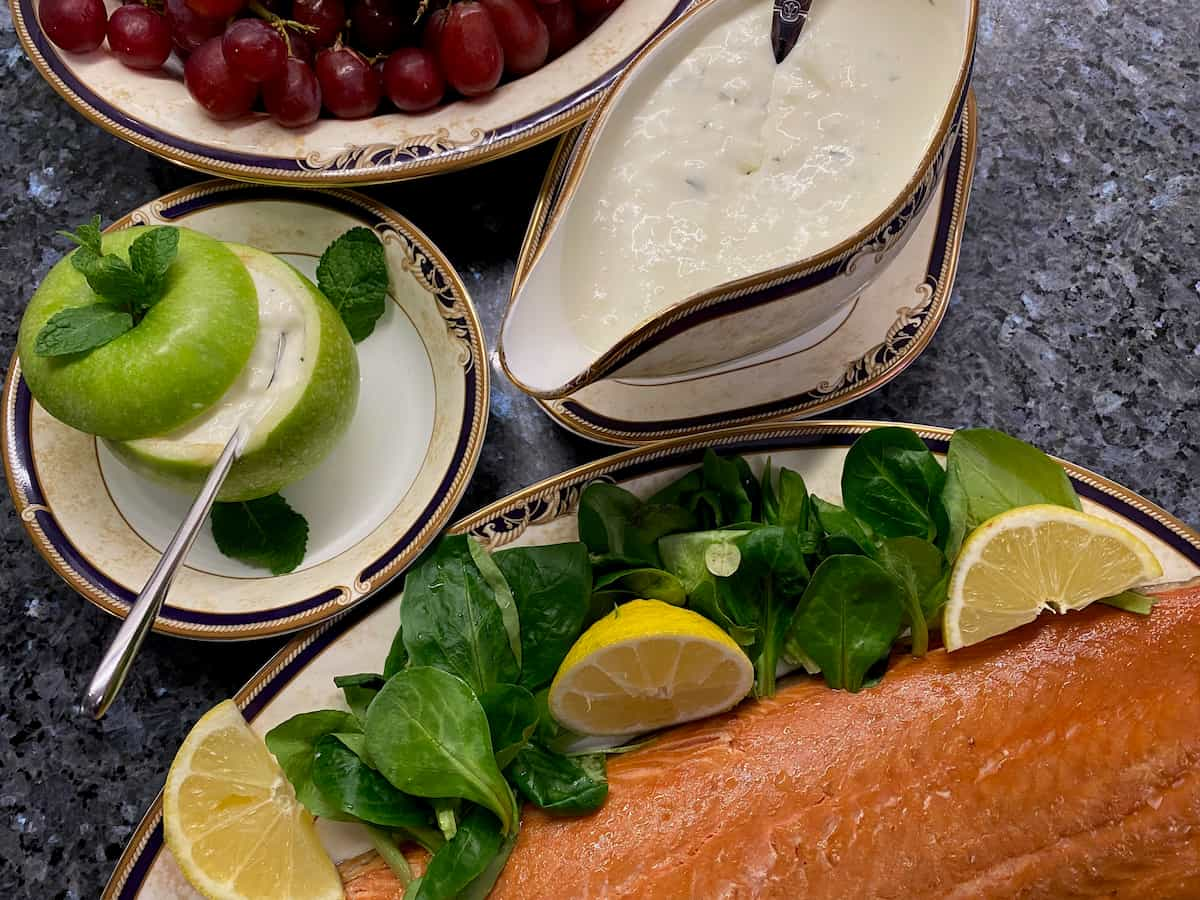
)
(294, 98)
(327, 16)
(522, 34)
(379, 26)
(434, 25)
(596, 7)
(413, 80)
(75, 25)
(469, 50)
(214, 85)
(188, 29)
(139, 37)
(216, 9)
(254, 49)
(350, 88)
(299, 46)
(560, 22)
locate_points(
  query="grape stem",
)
(279, 22)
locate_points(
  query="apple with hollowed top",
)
(175, 364)
(296, 416)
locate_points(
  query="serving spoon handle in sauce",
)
(787, 21)
(110, 674)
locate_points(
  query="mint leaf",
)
(266, 533)
(81, 328)
(113, 280)
(353, 274)
(87, 236)
(150, 256)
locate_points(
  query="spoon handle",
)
(110, 674)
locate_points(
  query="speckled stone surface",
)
(1075, 323)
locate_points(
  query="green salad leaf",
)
(512, 716)
(892, 482)
(397, 657)
(563, 785)
(428, 735)
(632, 584)
(353, 275)
(294, 745)
(266, 533)
(478, 841)
(720, 493)
(452, 619)
(551, 586)
(848, 619)
(621, 531)
(844, 533)
(788, 503)
(772, 556)
(355, 789)
(920, 569)
(501, 592)
(989, 472)
(359, 690)
(1131, 601)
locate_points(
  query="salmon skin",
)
(1061, 760)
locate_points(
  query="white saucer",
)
(387, 488)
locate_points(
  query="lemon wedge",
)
(233, 822)
(1032, 558)
(648, 665)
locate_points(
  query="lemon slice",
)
(648, 665)
(1032, 558)
(233, 822)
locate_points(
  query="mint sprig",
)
(126, 289)
(266, 533)
(353, 275)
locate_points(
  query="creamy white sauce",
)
(254, 395)
(719, 164)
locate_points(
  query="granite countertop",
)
(1074, 323)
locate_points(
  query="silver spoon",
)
(118, 659)
(787, 21)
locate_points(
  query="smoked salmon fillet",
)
(1061, 760)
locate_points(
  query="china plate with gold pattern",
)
(388, 487)
(299, 678)
(856, 352)
(154, 111)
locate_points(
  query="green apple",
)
(299, 400)
(176, 363)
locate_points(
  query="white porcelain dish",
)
(300, 677)
(873, 340)
(154, 111)
(540, 347)
(388, 487)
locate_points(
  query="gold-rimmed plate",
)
(154, 111)
(300, 677)
(863, 348)
(388, 487)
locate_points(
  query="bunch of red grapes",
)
(348, 57)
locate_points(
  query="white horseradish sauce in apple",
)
(254, 394)
(718, 164)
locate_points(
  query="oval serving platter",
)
(154, 111)
(300, 677)
(883, 332)
(386, 490)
